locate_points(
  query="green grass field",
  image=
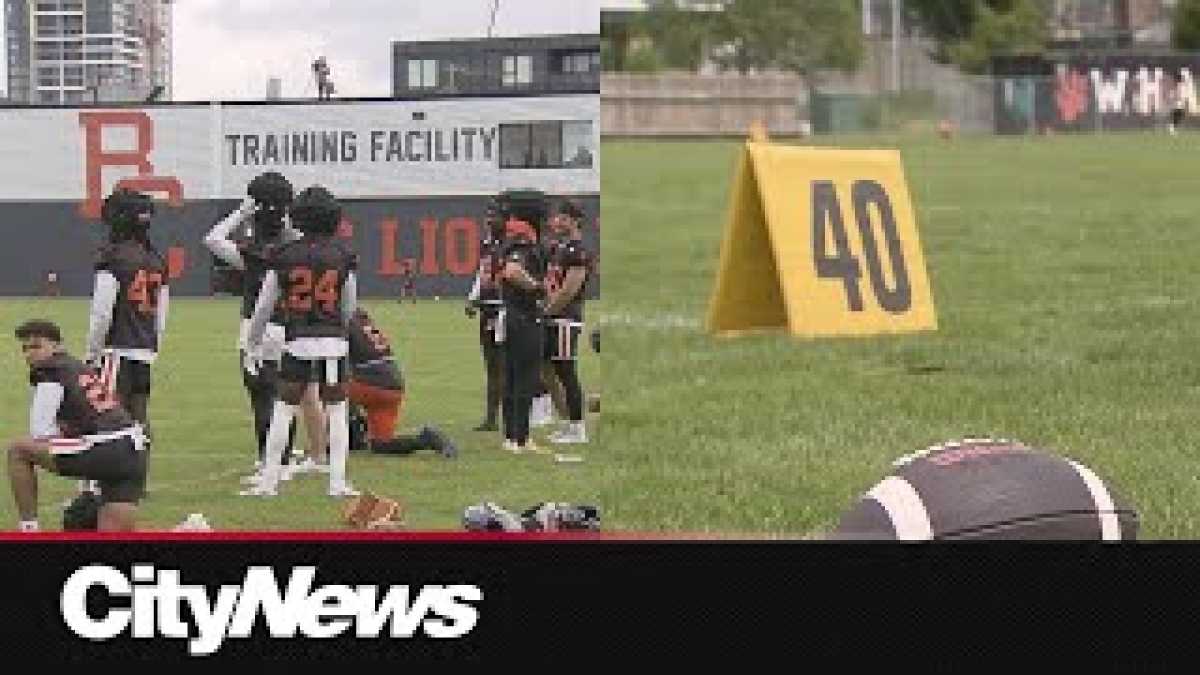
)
(1067, 287)
(1068, 300)
(204, 438)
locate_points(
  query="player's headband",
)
(519, 229)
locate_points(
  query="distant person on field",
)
(407, 285)
(52, 288)
(1178, 106)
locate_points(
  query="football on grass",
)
(989, 489)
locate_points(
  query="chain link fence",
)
(1074, 100)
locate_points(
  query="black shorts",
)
(132, 376)
(1177, 116)
(523, 355)
(487, 331)
(330, 371)
(562, 340)
(265, 381)
(117, 465)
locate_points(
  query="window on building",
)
(517, 71)
(578, 144)
(515, 146)
(453, 73)
(48, 97)
(422, 73)
(547, 145)
(578, 62)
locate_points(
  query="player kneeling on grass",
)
(78, 429)
(378, 387)
(313, 284)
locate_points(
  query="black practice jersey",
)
(519, 300)
(312, 273)
(566, 255)
(140, 272)
(371, 356)
(490, 253)
(257, 257)
(88, 405)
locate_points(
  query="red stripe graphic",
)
(431, 537)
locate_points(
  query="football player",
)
(129, 302)
(77, 428)
(377, 386)
(484, 300)
(550, 400)
(314, 283)
(566, 287)
(264, 209)
(522, 291)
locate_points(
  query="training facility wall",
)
(1083, 92)
(413, 176)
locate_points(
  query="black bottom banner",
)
(496, 599)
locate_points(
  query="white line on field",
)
(674, 321)
(660, 207)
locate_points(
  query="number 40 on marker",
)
(821, 242)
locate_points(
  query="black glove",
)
(470, 310)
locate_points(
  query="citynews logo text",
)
(157, 601)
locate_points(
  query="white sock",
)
(277, 438)
(339, 442)
(28, 526)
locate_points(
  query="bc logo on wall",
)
(414, 178)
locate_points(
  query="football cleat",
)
(541, 412)
(440, 442)
(258, 490)
(344, 490)
(534, 448)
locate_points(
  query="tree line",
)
(804, 37)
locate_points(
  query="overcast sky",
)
(226, 49)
